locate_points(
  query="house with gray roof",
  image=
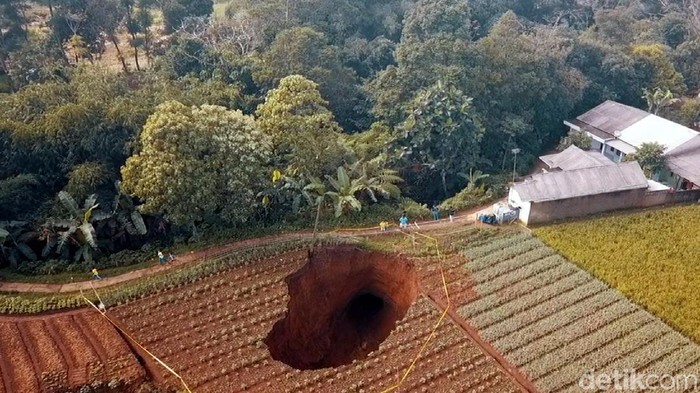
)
(579, 192)
(618, 130)
(574, 158)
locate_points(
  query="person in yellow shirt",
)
(383, 226)
(96, 274)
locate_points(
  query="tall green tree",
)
(198, 163)
(304, 134)
(304, 51)
(435, 45)
(443, 132)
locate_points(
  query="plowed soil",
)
(325, 319)
(56, 353)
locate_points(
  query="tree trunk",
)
(318, 216)
(119, 53)
(130, 24)
(136, 58)
(444, 183)
(147, 44)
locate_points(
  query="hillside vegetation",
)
(275, 110)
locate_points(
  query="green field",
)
(653, 257)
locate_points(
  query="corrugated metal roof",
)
(612, 116)
(574, 158)
(685, 160)
(581, 182)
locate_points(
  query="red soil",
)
(214, 332)
(63, 352)
(344, 303)
(366, 314)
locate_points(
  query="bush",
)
(472, 197)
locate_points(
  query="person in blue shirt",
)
(403, 221)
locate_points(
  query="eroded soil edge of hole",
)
(343, 303)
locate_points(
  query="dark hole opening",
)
(364, 309)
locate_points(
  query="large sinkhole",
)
(343, 303)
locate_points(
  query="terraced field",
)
(57, 353)
(556, 322)
(213, 332)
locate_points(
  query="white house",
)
(618, 130)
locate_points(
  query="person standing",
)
(452, 214)
(403, 221)
(436, 212)
(96, 274)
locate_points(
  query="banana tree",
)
(344, 191)
(78, 229)
(13, 246)
(473, 177)
(378, 179)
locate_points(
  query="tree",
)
(344, 191)
(77, 229)
(12, 30)
(304, 51)
(176, 11)
(443, 132)
(473, 178)
(304, 134)
(656, 58)
(198, 163)
(575, 138)
(658, 99)
(650, 157)
(435, 45)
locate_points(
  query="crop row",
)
(141, 288)
(606, 306)
(213, 287)
(495, 295)
(598, 358)
(539, 310)
(535, 265)
(15, 355)
(499, 312)
(473, 252)
(555, 321)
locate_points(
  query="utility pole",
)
(515, 161)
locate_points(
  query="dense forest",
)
(128, 122)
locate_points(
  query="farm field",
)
(653, 257)
(353, 316)
(67, 351)
(215, 333)
(556, 322)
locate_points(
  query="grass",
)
(653, 257)
(6, 274)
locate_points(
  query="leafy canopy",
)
(198, 162)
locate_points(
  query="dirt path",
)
(462, 218)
